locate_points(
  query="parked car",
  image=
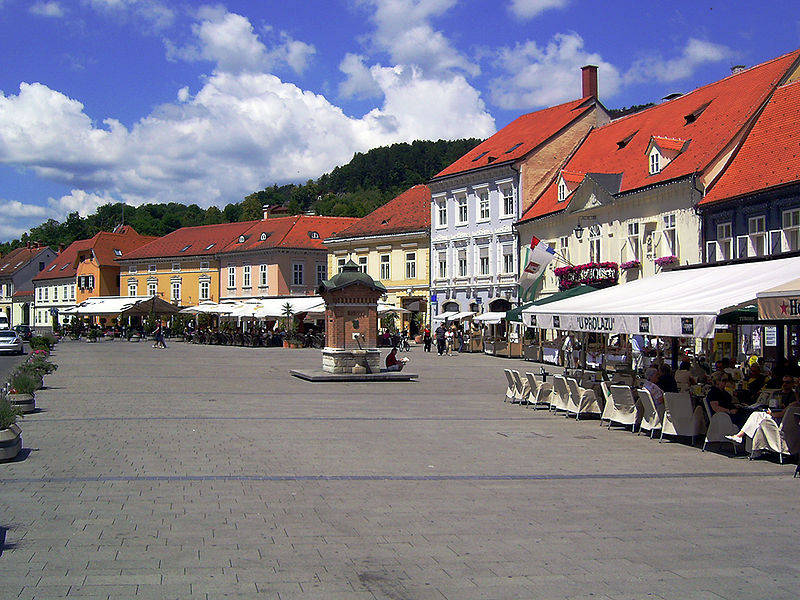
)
(24, 331)
(10, 342)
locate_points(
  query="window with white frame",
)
(340, 263)
(132, 269)
(231, 277)
(297, 274)
(175, 295)
(39, 294)
(55, 293)
(442, 265)
(725, 240)
(385, 267)
(246, 276)
(655, 161)
(362, 264)
(262, 276)
(176, 267)
(564, 245)
(65, 291)
(46, 293)
(152, 288)
(441, 212)
(483, 261)
(462, 264)
(757, 231)
(461, 203)
(133, 288)
(411, 265)
(204, 265)
(562, 190)
(151, 268)
(322, 272)
(72, 292)
(508, 201)
(791, 229)
(670, 236)
(204, 291)
(508, 259)
(594, 243)
(483, 205)
(633, 247)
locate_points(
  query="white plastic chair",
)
(781, 439)
(621, 408)
(559, 397)
(581, 400)
(523, 389)
(511, 390)
(540, 391)
(719, 426)
(680, 418)
(651, 420)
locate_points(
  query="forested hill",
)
(353, 190)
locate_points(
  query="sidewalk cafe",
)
(682, 304)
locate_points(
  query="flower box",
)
(631, 264)
(598, 275)
(666, 261)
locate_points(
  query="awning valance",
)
(781, 302)
(445, 315)
(490, 318)
(122, 305)
(676, 303)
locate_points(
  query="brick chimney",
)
(589, 81)
(267, 211)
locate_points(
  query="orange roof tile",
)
(18, 258)
(572, 177)
(709, 116)
(520, 137)
(202, 240)
(65, 264)
(296, 232)
(770, 156)
(668, 143)
(406, 213)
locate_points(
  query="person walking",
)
(159, 336)
(449, 338)
(440, 338)
(426, 339)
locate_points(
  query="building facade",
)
(17, 271)
(392, 245)
(475, 202)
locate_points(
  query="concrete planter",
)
(10, 442)
(25, 402)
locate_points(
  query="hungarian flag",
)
(537, 257)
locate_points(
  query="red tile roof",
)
(104, 246)
(520, 137)
(302, 232)
(709, 117)
(668, 143)
(17, 259)
(406, 213)
(202, 240)
(770, 156)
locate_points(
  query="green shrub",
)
(39, 342)
(39, 365)
(24, 381)
(51, 339)
(8, 413)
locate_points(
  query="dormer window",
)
(185, 248)
(117, 252)
(514, 147)
(243, 238)
(481, 155)
(692, 116)
(313, 235)
(663, 150)
(210, 246)
(568, 183)
(263, 237)
(624, 142)
(562, 191)
(51, 268)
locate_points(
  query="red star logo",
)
(784, 306)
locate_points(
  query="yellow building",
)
(392, 245)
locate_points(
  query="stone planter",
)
(10, 442)
(25, 402)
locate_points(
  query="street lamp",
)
(578, 231)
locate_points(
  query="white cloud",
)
(16, 217)
(229, 41)
(528, 9)
(537, 77)
(403, 30)
(14, 209)
(78, 201)
(695, 54)
(360, 83)
(47, 9)
(156, 14)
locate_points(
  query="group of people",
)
(734, 392)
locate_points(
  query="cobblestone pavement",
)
(209, 472)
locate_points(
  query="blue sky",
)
(158, 101)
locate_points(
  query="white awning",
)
(676, 303)
(490, 318)
(461, 315)
(115, 305)
(275, 307)
(385, 307)
(445, 315)
(211, 308)
(781, 302)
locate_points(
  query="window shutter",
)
(742, 244)
(711, 252)
(775, 241)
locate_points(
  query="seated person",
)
(666, 381)
(720, 399)
(684, 377)
(752, 384)
(651, 385)
(783, 400)
(393, 363)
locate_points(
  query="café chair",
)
(680, 419)
(559, 397)
(719, 426)
(621, 408)
(540, 391)
(523, 388)
(651, 420)
(511, 390)
(781, 439)
(581, 400)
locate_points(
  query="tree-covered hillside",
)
(355, 189)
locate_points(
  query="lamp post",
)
(578, 231)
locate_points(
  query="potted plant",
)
(631, 264)
(38, 364)
(290, 338)
(92, 335)
(22, 385)
(10, 433)
(666, 261)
